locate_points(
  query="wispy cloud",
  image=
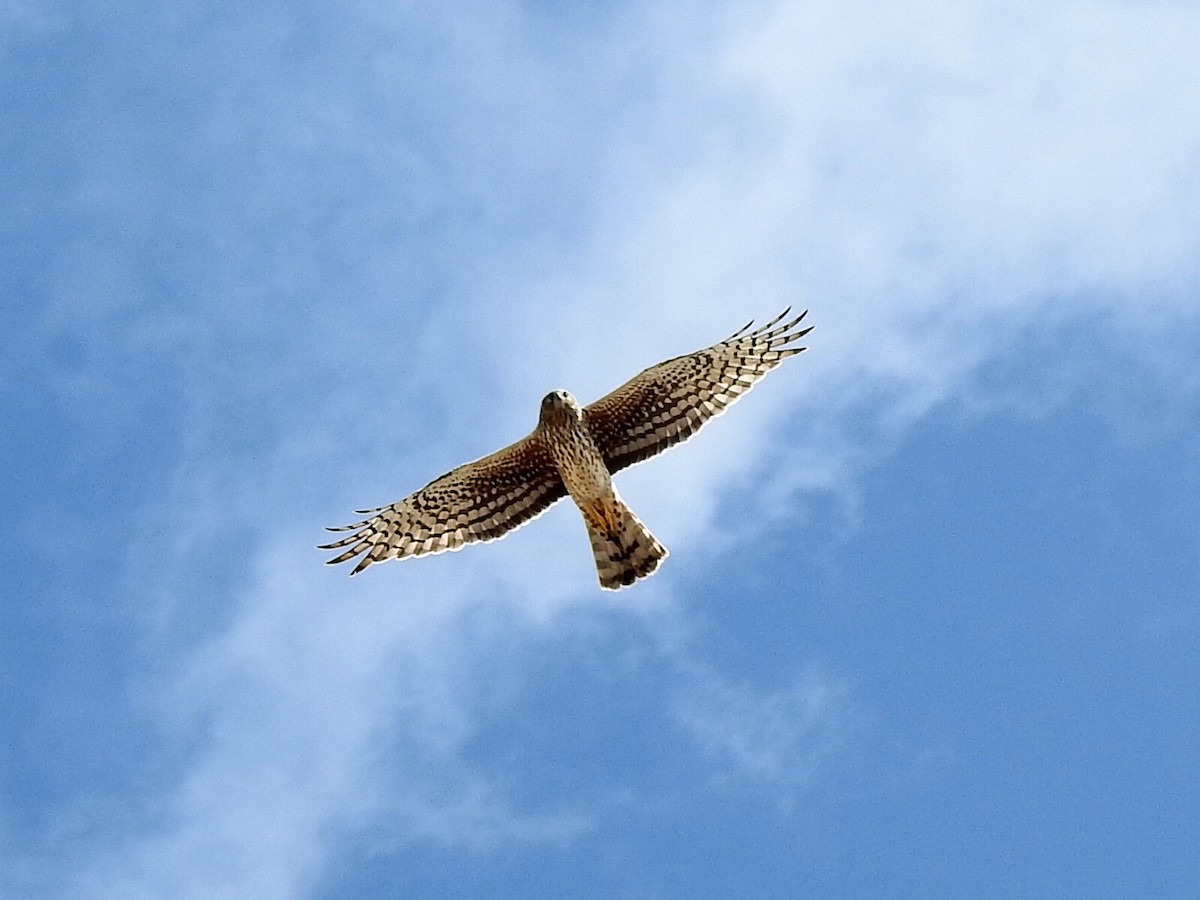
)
(931, 183)
(784, 741)
(319, 712)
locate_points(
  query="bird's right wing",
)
(479, 501)
(668, 403)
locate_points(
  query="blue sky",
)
(931, 615)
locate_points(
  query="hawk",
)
(575, 450)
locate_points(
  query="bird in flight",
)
(575, 450)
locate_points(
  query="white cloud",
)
(322, 711)
(783, 741)
(929, 183)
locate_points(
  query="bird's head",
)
(561, 404)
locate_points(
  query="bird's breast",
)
(580, 464)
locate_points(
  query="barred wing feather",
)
(479, 501)
(671, 401)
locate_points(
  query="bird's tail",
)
(625, 549)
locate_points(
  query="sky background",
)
(930, 622)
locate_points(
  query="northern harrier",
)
(576, 450)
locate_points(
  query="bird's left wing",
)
(669, 402)
(479, 501)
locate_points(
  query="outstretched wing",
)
(668, 403)
(479, 501)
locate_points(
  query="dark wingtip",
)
(775, 321)
(739, 332)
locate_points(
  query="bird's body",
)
(623, 547)
(575, 451)
(563, 428)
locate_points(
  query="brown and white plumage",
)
(479, 501)
(669, 402)
(575, 450)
